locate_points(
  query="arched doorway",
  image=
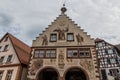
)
(48, 74)
(75, 74)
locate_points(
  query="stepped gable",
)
(22, 50)
(52, 23)
(57, 24)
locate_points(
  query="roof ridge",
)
(17, 39)
(22, 50)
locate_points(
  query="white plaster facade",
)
(14, 60)
(9, 60)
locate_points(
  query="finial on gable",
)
(63, 9)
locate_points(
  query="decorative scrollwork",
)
(35, 66)
(87, 64)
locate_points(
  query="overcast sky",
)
(26, 19)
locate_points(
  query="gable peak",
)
(63, 9)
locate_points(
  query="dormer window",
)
(70, 37)
(9, 58)
(6, 47)
(53, 37)
(6, 39)
(2, 59)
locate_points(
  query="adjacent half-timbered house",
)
(108, 59)
(14, 58)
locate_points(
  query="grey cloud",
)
(7, 24)
(5, 20)
(100, 18)
(110, 37)
(34, 31)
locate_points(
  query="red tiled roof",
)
(98, 40)
(22, 50)
(118, 46)
(101, 40)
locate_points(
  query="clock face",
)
(62, 23)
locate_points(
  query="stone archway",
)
(75, 73)
(48, 74)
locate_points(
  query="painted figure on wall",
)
(36, 65)
(79, 39)
(61, 33)
(45, 41)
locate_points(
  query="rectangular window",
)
(72, 53)
(1, 74)
(9, 59)
(53, 37)
(2, 59)
(50, 53)
(53, 53)
(113, 72)
(69, 53)
(110, 51)
(39, 53)
(36, 53)
(6, 39)
(45, 53)
(70, 37)
(113, 61)
(106, 51)
(84, 53)
(9, 75)
(108, 61)
(100, 44)
(6, 47)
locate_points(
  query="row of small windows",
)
(71, 53)
(4, 48)
(53, 37)
(6, 59)
(8, 75)
(108, 61)
(102, 44)
(50, 53)
(76, 53)
(106, 51)
(108, 66)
